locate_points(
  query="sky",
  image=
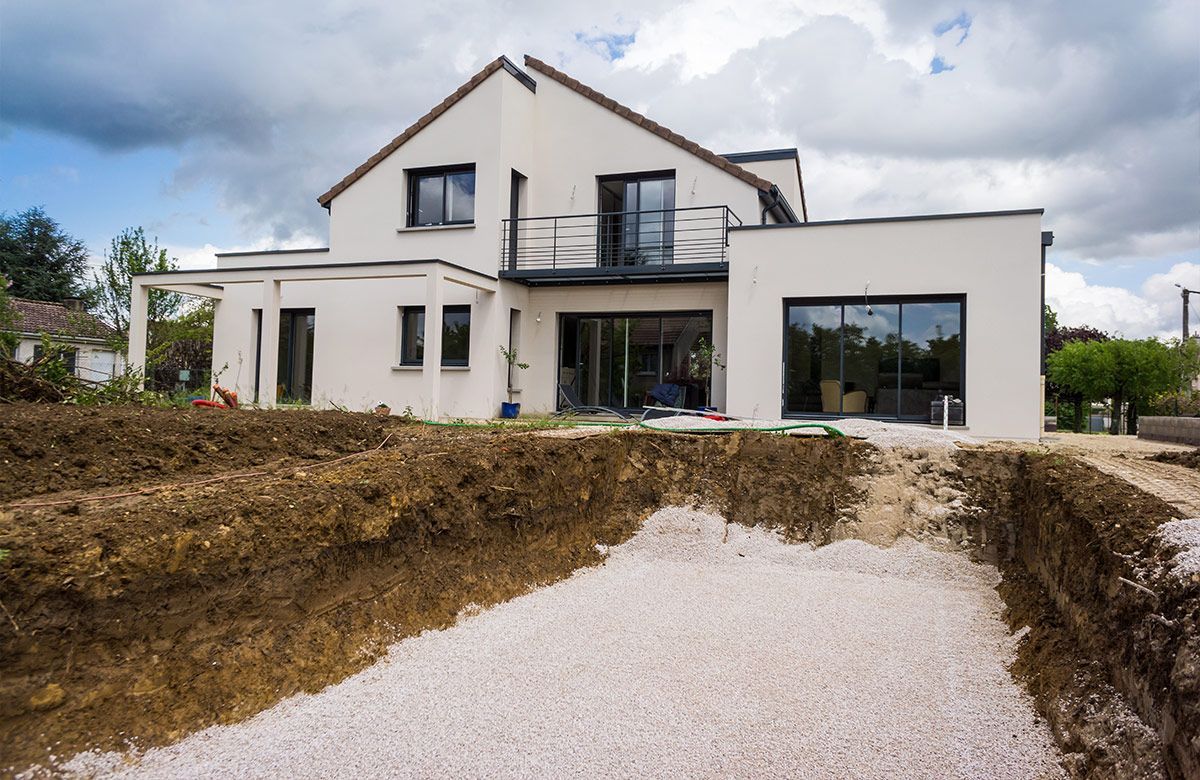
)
(215, 125)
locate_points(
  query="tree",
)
(41, 260)
(129, 254)
(1125, 370)
(9, 340)
(1056, 337)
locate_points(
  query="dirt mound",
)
(51, 448)
(150, 616)
(1188, 458)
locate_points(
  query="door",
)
(637, 219)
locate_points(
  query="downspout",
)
(774, 193)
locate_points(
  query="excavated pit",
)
(140, 619)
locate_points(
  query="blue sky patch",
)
(611, 45)
(938, 65)
(960, 22)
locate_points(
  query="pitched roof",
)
(57, 319)
(499, 63)
(690, 146)
(503, 62)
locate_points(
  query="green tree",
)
(9, 340)
(128, 254)
(1130, 372)
(41, 260)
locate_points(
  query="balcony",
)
(688, 244)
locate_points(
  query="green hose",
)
(829, 429)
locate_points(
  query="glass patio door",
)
(627, 362)
(637, 219)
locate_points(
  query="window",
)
(294, 369)
(633, 360)
(66, 355)
(441, 196)
(637, 218)
(456, 335)
(891, 359)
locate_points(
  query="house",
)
(529, 210)
(89, 355)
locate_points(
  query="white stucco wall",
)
(540, 340)
(995, 261)
(357, 343)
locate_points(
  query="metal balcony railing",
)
(622, 239)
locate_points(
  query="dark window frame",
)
(875, 300)
(612, 315)
(415, 175)
(418, 313)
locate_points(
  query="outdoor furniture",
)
(575, 406)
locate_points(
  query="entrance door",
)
(637, 219)
(297, 329)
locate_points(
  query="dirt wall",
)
(1114, 666)
(150, 616)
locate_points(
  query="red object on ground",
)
(207, 403)
(717, 417)
(228, 396)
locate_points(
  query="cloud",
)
(1155, 311)
(1090, 112)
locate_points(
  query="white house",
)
(528, 210)
(89, 354)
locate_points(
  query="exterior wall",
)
(995, 261)
(539, 384)
(781, 173)
(578, 140)
(357, 345)
(1180, 430)
(95, 361)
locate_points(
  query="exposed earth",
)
(174, 570)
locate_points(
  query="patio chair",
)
(574, 406)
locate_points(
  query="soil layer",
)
(1113, 650)
(142, 618)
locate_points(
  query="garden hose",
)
(829, 429)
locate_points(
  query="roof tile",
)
(57, 320)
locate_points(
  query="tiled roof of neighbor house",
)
(565, 80)
(58, 319)
(691, 146)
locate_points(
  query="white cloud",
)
(1090, 112)
(1154, 311)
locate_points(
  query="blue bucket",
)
(509, 411)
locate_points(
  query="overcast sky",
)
(216, 125)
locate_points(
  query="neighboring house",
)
(89, 354)
(529, 210)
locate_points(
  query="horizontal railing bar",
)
(619, 213)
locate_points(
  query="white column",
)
(268, 367)
(431, 371)
(139, 305)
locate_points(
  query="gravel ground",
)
(881, 434)
(697, 650)
(1185, 535)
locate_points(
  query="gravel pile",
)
(881, 434)
(1185, 535)
(697, 650)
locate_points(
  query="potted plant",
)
(510, 410)
(704, 357)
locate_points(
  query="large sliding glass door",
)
(890, 359)
(630, 361)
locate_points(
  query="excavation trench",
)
(138, 620)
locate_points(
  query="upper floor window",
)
(441, 196)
